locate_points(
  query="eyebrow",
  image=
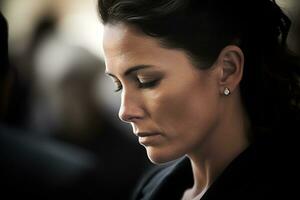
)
(131, 69)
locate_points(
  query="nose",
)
(130, 108)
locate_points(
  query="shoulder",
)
(259, 172)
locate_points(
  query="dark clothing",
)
(45, 168)
(40, 168)
(262, 171)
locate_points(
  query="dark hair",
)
(202, 28)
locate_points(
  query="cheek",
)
(182, 112)
(165, 108)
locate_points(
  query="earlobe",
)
(231, 63)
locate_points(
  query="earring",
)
(226, 91)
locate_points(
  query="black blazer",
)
(262, 171)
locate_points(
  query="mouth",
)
(148, 138)
(146, 134)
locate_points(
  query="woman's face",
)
(171, 106)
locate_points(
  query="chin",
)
(160, 156)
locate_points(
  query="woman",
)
(209, 84)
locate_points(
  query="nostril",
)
(129, 116)
(124, 116)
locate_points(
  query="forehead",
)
(124, 46)
(120, 38)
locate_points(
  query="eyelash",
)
(148, 84)
(119, 87)
(144, 85)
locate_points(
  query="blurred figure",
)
(4, 70)
(72, 149)
(34, 167)
(23, 74)
(297, 24)
(65, 105)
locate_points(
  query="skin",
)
(184, 110)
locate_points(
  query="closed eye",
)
(148, 84)
(140, 84)
(143, 82)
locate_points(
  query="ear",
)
(230, 64)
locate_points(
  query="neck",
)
(222, 145)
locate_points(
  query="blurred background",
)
(64, 135)
(61, 136)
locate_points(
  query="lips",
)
(149, 138)
(146, 134)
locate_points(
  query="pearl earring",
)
(226, 91)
